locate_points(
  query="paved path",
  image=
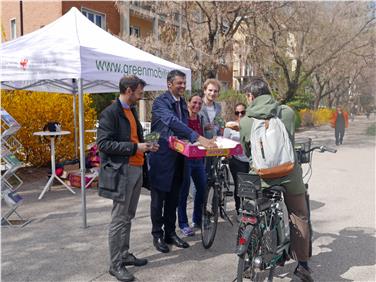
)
(54, 247)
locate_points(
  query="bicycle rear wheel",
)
(209, 216)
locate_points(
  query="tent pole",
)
(75, 124)
(82, 152)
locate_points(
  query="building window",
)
(98, 18)
(135, 31)
(13, 29)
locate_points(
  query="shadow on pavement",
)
(338, 254)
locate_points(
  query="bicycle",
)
(263, 240)
(215, 200)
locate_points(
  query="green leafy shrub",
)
(298, 121)
(371, 130)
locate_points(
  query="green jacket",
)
(264, 107)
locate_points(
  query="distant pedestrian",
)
(339, 121)
(121, 148)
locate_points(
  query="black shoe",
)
(303, 273)
(132, 260)
(175, 240)
(121, 273)
(160, 245)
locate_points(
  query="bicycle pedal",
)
(229, 193)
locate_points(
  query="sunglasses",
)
(238, 113)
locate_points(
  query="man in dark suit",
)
(121, 148)
(169, 118)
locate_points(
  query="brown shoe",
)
(303, 274)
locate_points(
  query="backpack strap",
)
(279, 111)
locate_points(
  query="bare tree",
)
(199, 34)
(298, 40)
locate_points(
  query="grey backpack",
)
(271, 148)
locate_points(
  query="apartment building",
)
(242, 69)
(22, 17)
(125, 18)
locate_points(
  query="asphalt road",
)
(54, 247)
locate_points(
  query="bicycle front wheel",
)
(209, 216)
(225, 185)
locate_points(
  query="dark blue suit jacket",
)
(165, 120)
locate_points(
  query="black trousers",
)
(339, 133)
(235, 167)
(163, 204)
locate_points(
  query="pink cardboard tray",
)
(227, 147)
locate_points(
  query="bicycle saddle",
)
(276, 188)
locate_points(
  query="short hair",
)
(131, 81)
(213, 81)
(194, 95)
(257, 87)
(240, 104)
(172, 74)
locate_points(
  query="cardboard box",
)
(226, 147)
(75, 179)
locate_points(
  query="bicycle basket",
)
(301, 147)
(249, 185)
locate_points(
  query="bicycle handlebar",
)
(331, 150)
(322, 149)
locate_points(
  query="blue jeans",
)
(196, 169)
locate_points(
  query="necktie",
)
(178, 110)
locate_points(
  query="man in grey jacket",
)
(211, 114)
(211, 110)
(121, 148)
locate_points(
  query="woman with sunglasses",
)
(195, 168)
(238, 163)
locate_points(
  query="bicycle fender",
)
(241, 249)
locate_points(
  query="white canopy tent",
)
(73, 55)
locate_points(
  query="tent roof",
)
(72, 47)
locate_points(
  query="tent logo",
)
(23, 63)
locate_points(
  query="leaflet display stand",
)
(10, 182)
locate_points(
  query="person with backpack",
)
(267, 136)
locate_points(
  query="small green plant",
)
(371, 130)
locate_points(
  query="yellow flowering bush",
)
(33, 110)
(315, 117)
(322, 116)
